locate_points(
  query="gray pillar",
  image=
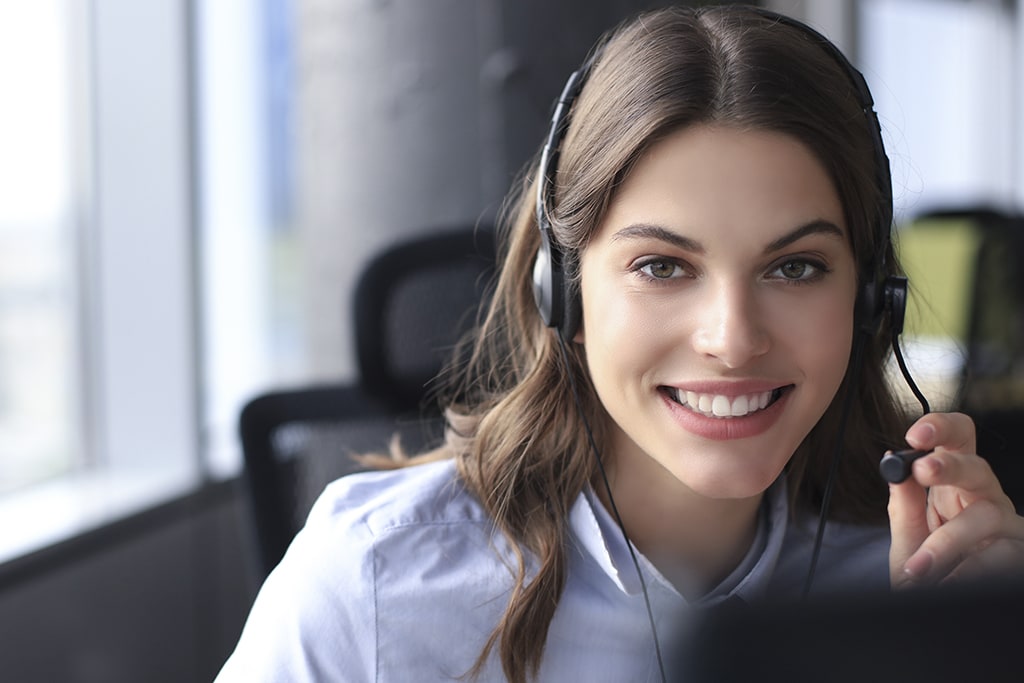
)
(382, 150)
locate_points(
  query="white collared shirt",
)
(400, 576)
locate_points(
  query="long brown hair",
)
(514, 429)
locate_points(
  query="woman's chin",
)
(719, 483)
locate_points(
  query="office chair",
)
(994, 372)
(412, 302)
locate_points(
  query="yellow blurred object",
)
(940, 257)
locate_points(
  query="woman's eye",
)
(794, 270)
(799, 270)
(660, 270)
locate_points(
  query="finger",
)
(952, 543)
(970, 474)
(1001, 558)
(908, 523)
(953, 431)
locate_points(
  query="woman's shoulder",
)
(385, 501)
(389, 560)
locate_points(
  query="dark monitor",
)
(954, 635)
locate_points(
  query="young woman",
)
(708, 232)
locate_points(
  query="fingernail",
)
(918, 565)
(921, 434)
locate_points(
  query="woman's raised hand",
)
(951, 519)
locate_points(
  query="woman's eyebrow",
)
(648, 231)
(816, 227)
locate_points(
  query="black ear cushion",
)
(869, 307)
(896, 301)
(572, 309)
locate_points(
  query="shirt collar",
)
(600, 537)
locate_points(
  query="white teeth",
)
(740, 406)
(717, 405)
(720, 406)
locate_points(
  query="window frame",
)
(134, 203)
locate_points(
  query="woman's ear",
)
(578, 337)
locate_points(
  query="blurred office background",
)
(188, 189)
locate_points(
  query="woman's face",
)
(718, 296)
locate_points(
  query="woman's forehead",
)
(714, 178)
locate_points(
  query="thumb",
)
(908, 522)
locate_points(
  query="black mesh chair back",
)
(412, 303)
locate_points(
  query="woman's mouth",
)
(720, 406)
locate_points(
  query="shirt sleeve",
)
(314, 618)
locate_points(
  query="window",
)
(250, 266)
(98, 359)
(943, 76)
(40, 406)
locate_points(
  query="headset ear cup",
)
(896, 302)
(557, 297)
(875, 302)
(547, 285)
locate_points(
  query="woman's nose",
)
(730, 325)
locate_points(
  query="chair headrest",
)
(413, 301)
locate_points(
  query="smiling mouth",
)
(717, 405)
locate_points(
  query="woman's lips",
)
(720, 417)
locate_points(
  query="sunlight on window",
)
(38, 364)
(943, 83)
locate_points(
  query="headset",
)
(558, 300)
(879, 295)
